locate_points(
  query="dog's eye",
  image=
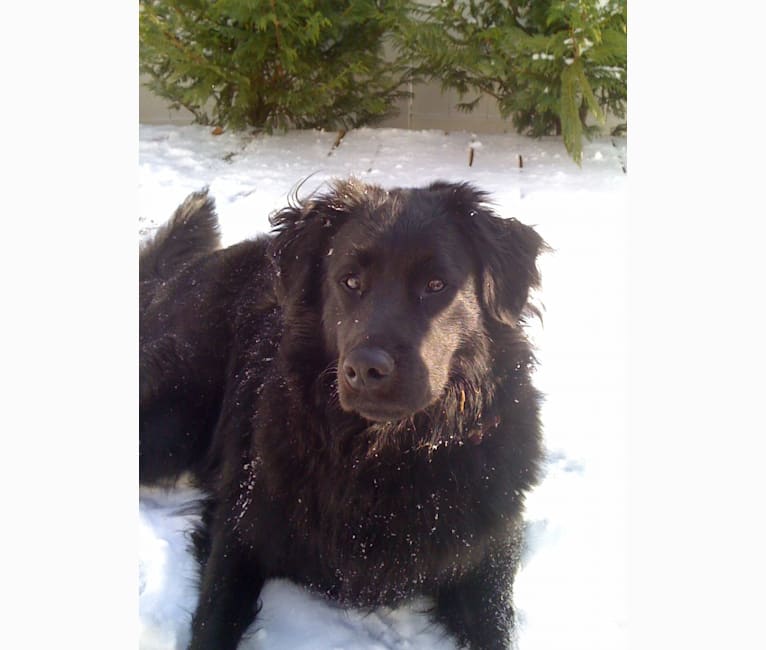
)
(435, 285)
(352, 282)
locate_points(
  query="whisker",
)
(329, 379)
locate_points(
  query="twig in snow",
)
(623, 166)
(338, 140)
(473, 145)
(374, 158)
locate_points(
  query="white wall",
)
(428, 109)
(155, 110)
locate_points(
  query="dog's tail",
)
(192, 231)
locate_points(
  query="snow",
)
(570, 592)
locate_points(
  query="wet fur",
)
(240, 354)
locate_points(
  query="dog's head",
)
(397, 286)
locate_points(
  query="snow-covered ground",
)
(571, 590)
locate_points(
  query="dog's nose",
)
(370, 368)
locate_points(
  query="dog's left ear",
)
(506, 250)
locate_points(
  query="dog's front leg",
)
(228, 601)
(478, 607)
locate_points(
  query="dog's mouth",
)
(371, 408)
(377, 413)
(375, 408)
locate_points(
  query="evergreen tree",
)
(273, 65)
(548, 63)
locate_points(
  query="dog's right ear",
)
(302, 233)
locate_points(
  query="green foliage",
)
(548, 63)
(273, 65)
(553, 66)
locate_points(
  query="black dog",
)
(355, 393)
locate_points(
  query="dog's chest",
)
(381, 532)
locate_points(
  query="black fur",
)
(354, 391)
